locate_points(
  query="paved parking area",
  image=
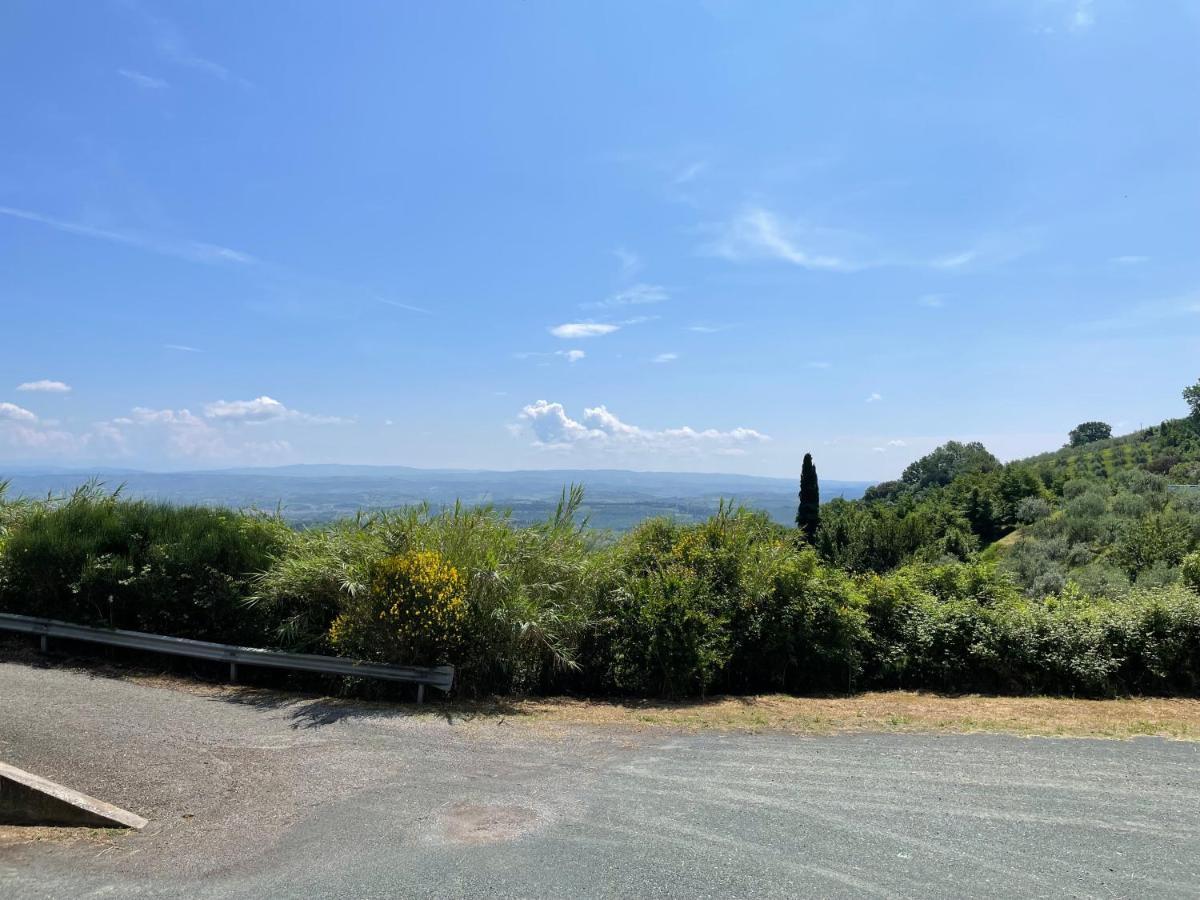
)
(254, 794)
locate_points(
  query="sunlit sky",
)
(695, 236)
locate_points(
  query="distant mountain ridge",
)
(615, 498)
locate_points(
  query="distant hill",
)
(615, 499)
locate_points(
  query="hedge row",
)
(734, 604)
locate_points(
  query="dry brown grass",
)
(891, 711)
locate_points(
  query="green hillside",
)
(1171, 449)
(1100, 516)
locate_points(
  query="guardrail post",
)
(45, 643)
(420, 693)
(233, 671)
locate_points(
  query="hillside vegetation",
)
(962, 575)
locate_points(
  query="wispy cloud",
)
(634, 295)
(820, 364)
(173, 47)
(571, 356)
(572, 330)
(182, 348)
(1083, 16)
(874, 397)
(690, 172)
(707, 328)
(1129, 260)
(932, 300)
(665, 358)
(603, 430)
(45, 386)
(954, 261)
(630, 263)
(142, 80)
(757, 233)
(194, 251)
(406, 306)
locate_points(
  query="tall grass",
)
(529, 589)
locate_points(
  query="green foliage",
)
(1190, 571)
(1089, 432)
(1191, 395)
(808, 513)
(412, 614)
(528, 590)
(943, 465)
(95, 559)
(1095, 597)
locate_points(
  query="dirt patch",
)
(481, 824)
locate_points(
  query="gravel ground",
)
(254, 793)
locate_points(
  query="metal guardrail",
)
(440, 677)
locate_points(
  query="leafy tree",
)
(1192, 395)
(1089, 432)
(808, 513)
(947, 462)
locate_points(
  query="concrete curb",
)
(28, 799)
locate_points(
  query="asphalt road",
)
(264, 795)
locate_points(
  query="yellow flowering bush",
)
(411, 613)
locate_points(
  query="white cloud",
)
(10, 412)
(874, 397)
(45, 386)
(262, 409)
(897, 443)
(757, 233)
(603, 429)
(1129, 260)
(571, 356)
(195, 251)
(820, 364)
(706, 328)
(635, 295)
(146, 82)
(182, 348)
(572, 330)
(665, 358)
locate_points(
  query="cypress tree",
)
(808, 513)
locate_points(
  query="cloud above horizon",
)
(571, 330)
(45, 386)
(552, 428)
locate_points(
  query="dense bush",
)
(411, 614)
(95, 559)
(527, 589)
(733, 604)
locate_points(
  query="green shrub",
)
(412, 613)
(97, 560)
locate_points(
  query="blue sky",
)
(702, 236)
